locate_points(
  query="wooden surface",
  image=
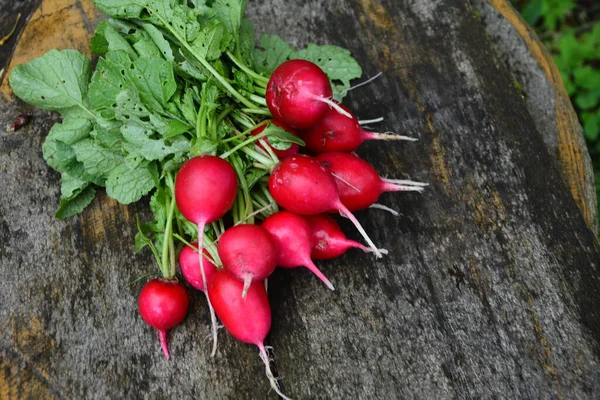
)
(491, 288)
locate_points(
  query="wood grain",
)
(490, 289)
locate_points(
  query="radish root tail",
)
(272, 380)
(213, 317)
(385, 208)
(351, 217)
(162, 337)
(334, 105)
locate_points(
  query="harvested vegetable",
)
(183, 108)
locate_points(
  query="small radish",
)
(359, 184)
(336, 132)
(248, 252)
(281, 154)
(299, 94)
(329, 240)
(248, 319)
(294, 240)
(205, 189)
(189, 263)
(163, 304)
(304, 186)
(190, 268)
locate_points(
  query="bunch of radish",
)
(334, 180)
(243, 159)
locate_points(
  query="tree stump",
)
(490, 290)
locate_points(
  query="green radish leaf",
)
(279, 138)
(272, 52)
(98, 43)
(246, 42)
(138, 142)
(77, 203)
(212, 41)
(108, 81)
(56, 81)
(127, 185)
(57, 150)
(118, 42)
(176, 128)
(231, 13)
(336, 62)
(159, 40)
(154, 80)
(97, 161)
(253, 176)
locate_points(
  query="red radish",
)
(248, 319)
(358, 182)
(248, 252)
(299, 94)
(336, 132)
(163, 304)
(329, 240)
(281, 154)
(294, 240)
(205, 189)
(303, 185)
(189, 263)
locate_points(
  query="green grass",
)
(571, 32)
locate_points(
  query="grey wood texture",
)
(490, 290)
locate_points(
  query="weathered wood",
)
(539, 80)
(490, 289)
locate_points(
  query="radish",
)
(359, 184)
(205, 189)
(299, 94)
(163, 304)
(281, 154)
(294, 240)
(247, 319)
(329, 240)
(304, 186)
(335, 132)
(190, 268)
(248, 252)
(189, 263)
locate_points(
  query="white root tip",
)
(214, 325)
(360, 229)
(405, 182)
(370, 121)
(385, 208)
(335, 106)
(362, 83)
(247, 283)
(272, 379)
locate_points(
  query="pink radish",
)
(281, 154)
(336, 132)
(248, 319)
(304, 186)
(358, 182)
(163, 304)
(248, 252)
(299, 94)
(329, 240)
(205, 189)
(294, 240)
(189, 263)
